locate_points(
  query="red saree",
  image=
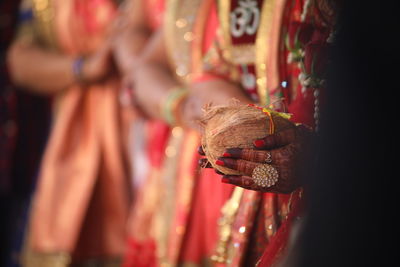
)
(192, 234)
(311, 24)
(258, 225)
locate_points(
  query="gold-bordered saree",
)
(81, 201)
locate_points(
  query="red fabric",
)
(140, 254)
(277, 245)
(210, 193)
(202, 232)
(158, 136)
(95, 15)
(154, 10)
(211, 28)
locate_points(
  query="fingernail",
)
(225, 180)
(226, 154)
(220, 162)
(200, 150)
(259, 143)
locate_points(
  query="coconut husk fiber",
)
(235, 125)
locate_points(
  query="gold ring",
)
(265, 175)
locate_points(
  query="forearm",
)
(40, 71)
(155, 87)
(128, 44)
(130, 35)
(153, 83)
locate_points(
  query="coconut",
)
(236, 125)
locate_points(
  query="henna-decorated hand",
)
(288, 152)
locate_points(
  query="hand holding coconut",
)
(255, 148)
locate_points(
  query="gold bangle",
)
(170, 108)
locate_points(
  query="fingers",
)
(204, 163)
(201, 151)
(243, 166)
(261, 156)
(218, 172)
(276, 140)
(246, 182)
(126, 96)
(239, 180)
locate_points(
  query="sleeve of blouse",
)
(26, 30)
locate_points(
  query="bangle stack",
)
(77, 69)
(170, 109)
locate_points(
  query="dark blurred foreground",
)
(24, 123)
(353, 204)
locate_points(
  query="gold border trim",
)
(180, 19)
(224, 7)
(262, 48)
(225, 224)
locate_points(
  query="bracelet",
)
(170, 109)
(77, 69)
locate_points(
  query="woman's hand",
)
(288, 154)
(214, 91)
(98, 65)
(55, 71)
(126, 48)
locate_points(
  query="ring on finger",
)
(265, 175)
(269, 157)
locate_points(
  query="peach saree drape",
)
(81, 202)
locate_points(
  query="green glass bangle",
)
(171, 103)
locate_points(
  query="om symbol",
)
(245, 18)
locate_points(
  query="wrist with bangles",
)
(170, 109)
(77, 69)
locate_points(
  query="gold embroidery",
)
(171, 227)
(262, 47)
(225, 223)
(164, 218)
(248, 54)
(234, 54)
(223, 15)
(32, 259)
(180, 19)
(197, 45)
(44, 15)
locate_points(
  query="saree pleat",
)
(81, 202)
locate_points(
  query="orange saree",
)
(80, 206)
